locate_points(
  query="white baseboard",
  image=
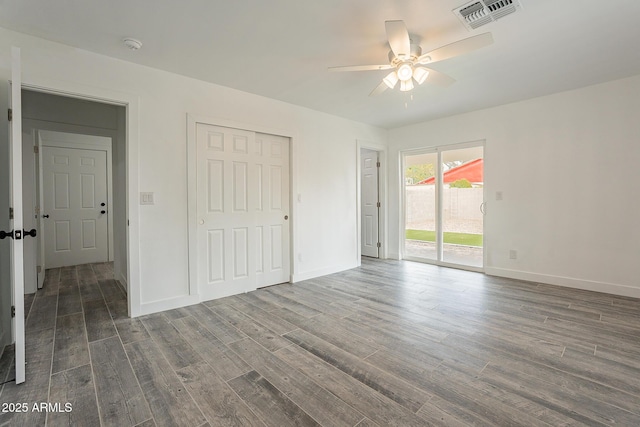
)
(394, 256)
(322, 272)
(569, 282)
(168, 304)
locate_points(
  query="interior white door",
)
(75, 206)
(17, 264)
(242, 208)
(272, 219)
(369, 202)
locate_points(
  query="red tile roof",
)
(472, 171)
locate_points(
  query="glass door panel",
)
(420, 190)
(462, 203)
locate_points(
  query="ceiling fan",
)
(406, 59)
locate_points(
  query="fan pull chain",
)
(406, 103)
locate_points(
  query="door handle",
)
(45, 216)
(14, 234)
(5, 234)
(31, 232)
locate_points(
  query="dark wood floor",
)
(388, 344)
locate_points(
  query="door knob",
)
(103, 204)
(286, 217)
(103, 212)
(31, 232)
(45, 216)
(14, 234)
(5, 234)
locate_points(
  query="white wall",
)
(568, 165)
(324, 156)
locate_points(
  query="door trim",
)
(382, 196)
(192, 196)
(131, 102)
(49, 138)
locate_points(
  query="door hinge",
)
(13, 311)
(10, 114)
(378, 244)
(378, 204)
(378, 164)
(10, 213)
(36, 150)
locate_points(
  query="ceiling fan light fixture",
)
(420, 75)
(405, 72)
(406, 85)
(391, 80)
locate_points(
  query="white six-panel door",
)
(272, 223)
(75, 187)
(242, 203)
(369, 202)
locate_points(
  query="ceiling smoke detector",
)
(482, 12)
(132, 44)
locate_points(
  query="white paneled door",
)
(369, 202)
(242, 210)
(272, 223)
(17, 232)
(75, 206)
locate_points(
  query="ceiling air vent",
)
(481, 12)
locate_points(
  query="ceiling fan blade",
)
(361, 68)
(438, 78)
(398, 37)
(379, 89)
(456, 48)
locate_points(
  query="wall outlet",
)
(513, 254)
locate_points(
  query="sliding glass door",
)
(420, 206)
(443, 205)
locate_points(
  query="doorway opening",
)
(74, 184)
(443, 201)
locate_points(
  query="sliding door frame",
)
(439, 173)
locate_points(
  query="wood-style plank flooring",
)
(388, 344)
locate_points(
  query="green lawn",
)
(449, 237)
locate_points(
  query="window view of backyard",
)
(460, 215)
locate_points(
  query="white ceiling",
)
(281, 48)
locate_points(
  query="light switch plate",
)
(146, 199)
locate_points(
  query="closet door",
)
(272, 218)
(242, 210)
